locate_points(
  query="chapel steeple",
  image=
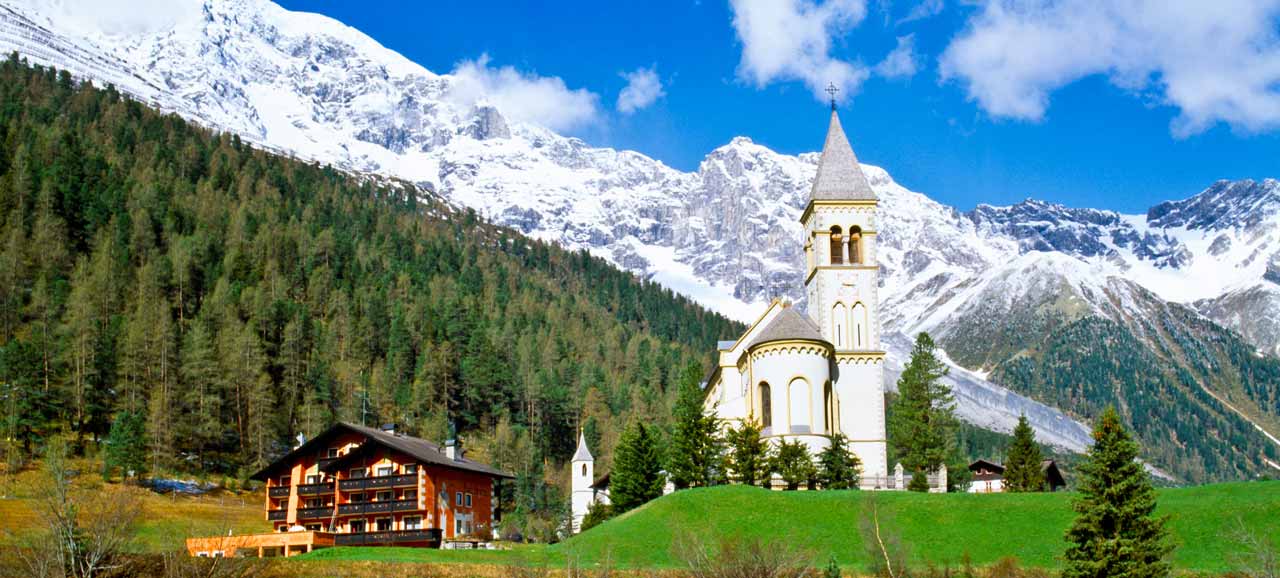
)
(839, 176)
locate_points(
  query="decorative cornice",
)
(816, 268)
(803, 346)
(859, 357)
(808, 209)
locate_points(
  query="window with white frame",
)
(358, 472)
(468, 500)
(409, 495)
(413, 522)
(385, 495)
(457, 499)
(386, 470)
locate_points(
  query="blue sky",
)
(1071, 101)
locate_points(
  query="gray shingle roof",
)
(788, 325)
(583, 454)
(840, 176)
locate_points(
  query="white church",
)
(805, 376)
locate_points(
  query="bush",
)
(738, 557)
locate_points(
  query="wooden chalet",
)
(361, 486)
(988, 477)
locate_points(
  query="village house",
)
(988, 477)
(361, 486)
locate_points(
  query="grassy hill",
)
(937, 528)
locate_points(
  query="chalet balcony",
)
(428, 535)
(315, 489)
(377, 482)
(378, 507)
(277, 515)
(278, 492)
(313, 513)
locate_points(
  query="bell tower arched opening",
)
(837, 246)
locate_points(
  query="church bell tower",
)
(841, 285)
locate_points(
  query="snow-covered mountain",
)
(727, 234)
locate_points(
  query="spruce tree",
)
(1022, 471)
(838, 468)
(696, 448)
(126, 445)
(1115, 534)
(748, 458)
(922, 424)
(794, 464)
(637, 469)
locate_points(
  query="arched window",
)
(766, 407)
(837, 246)
(829, 409)
(861, 337)
(798, 401)
(855, 245)
(584, 470)
(839, 319)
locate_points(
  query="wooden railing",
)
(375, 482)
(315, 489)
(278, 492)
(313, 513)
(392, 537)
(378, 507)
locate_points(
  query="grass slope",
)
(938, 528)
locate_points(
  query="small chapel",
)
(803, 376)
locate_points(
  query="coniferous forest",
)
(233, 298)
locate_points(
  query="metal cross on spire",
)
(832, 90)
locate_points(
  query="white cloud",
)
(901, 62)
(644, 88)
(791, 40)
(524, 97)
(1215, 61)
(922, 10)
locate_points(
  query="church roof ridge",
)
(840, 176)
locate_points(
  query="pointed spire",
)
(583, 454)
(840, 176)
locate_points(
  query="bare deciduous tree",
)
(1258, 555)
(85, 533)
(737, 557)
(884, 545)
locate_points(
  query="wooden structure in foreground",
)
(260, 545)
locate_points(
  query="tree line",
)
(207, 301)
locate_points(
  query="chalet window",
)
(357, 497)
(409, 495)
(284, 480)
(457, 499)
(411, 468)
(357, 526)
(332, 453)
(386, 470)
(315, 479)
(359, 472)
(457, 527)
(382, 524)
(385, 495)
(413, 522)
(468, 500)
(314, 503)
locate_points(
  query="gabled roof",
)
(583, 454)
(990, 466)
(420, 449)
(840, 177)
(787, 325)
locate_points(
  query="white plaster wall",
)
(860, 389)
(582, 492)
(778, 369)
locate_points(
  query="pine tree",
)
(838, 468)
(1115, 534)
(922, 425)
(126, 445)
(696, 448)
(1022, 471)
(637, 469)
(794, 464)
(749, 457)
